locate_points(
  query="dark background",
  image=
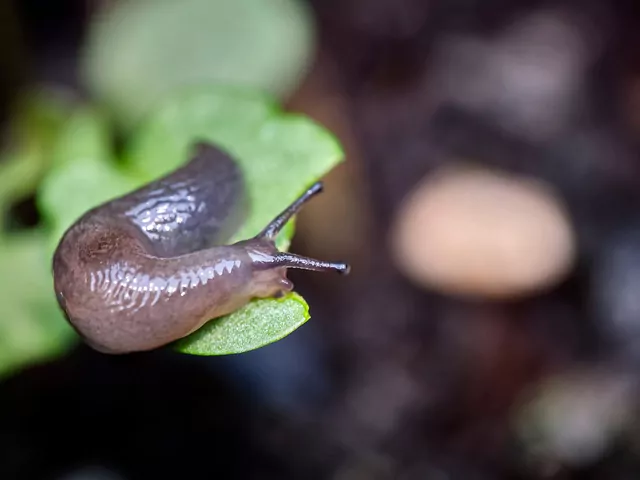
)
(388, 381)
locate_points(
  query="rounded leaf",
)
(141, 51)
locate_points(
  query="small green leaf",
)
(33, 127)
(280, 155)
(20, 171)
(83, 174)
(32, 327)
(72, 189)
(84, 138)
(260, 323)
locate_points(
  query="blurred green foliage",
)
(156, 69)
(139, 51)
(280, 155)
(31, 326)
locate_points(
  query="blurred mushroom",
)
(476, 232)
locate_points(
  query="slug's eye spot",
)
(102, 246)
(98, 246)
(286, 285)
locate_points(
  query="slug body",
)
(148, 268)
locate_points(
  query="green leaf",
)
(280, 155)
(84, 138)
(32, 327)
(140, 52)
(83, 174)
(34, 125)
(20, 172)
(70, 190)
(39, 114)
(260, 323)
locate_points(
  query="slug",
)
(150, 267)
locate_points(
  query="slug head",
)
(270, 265)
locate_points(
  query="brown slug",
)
(148, 268)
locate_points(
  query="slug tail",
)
(280, 221)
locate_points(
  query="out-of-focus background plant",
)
(482, 177)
